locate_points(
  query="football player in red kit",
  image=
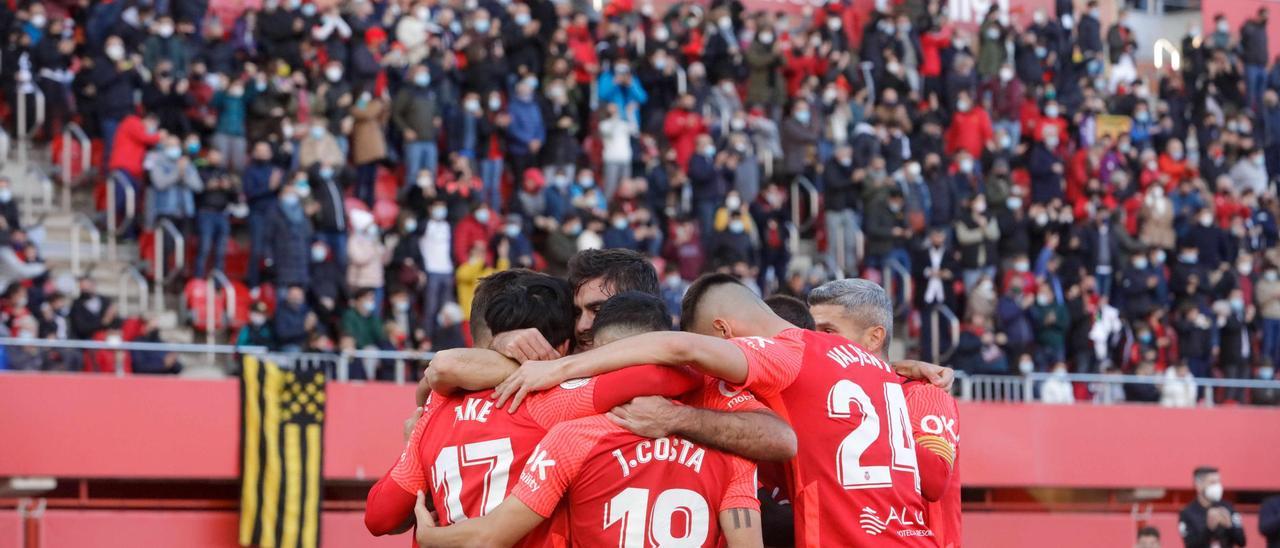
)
(855, 480)
(620, 488)
(861, 311)
(463, 449)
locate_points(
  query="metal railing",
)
(342, 362)
(1020, 388)
(23, 132)
(936, 314)
(798, 184)
(215, 280)
(82, 222)
(166, 227)
(35, 211)
(131, 276)
(71, 131)
(894, 274)
(115, 226)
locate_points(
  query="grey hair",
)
(862, 299)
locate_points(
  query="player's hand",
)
(423, 390)
(941, 377)
(648, 416)
(411, 422)
(523, 345)
(426, 521)
(533, 376)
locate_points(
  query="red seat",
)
(387, 184)
(385, 212)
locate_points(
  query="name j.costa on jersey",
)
(671, 449)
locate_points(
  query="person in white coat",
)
(1179, 388)
(1057, 389)
(616, 132)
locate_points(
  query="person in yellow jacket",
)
(468, 274)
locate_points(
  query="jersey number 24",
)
(847, 399)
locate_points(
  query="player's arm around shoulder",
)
(459, 369)
(504, 526)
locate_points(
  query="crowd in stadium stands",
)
(379, 157)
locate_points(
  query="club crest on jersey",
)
(909, 522)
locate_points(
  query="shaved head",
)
(720, 306)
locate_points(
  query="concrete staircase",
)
(53, 225)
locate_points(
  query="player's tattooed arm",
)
(741, 528)
(755, 435)
(504, 526)
(464, 369)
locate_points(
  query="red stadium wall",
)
(1237, 11)
(105, 427)
(81, 426)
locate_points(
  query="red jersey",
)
(935, 421)
(855, 481)
(634, 492)
(464, 447)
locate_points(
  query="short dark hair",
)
(1149, 531)
(621, 269)
(1202, 471)
(793, 310)
(698, 290)
(488, 288)
(633, 310)
(543, 303)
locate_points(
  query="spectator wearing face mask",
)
(174, 182)
(368, 145)
(114, 80)
(1207, 238)
(619, 235)
(977, 235)
(527, 130)
(291, 234)
(800, 135)
(1197, 342)
(1050, 318)
(1046, 169)
(366, 257)
(257, 332)
(1209, 521)
(1057, 389)
(1249, 174)
(261, 180)
(361, 328)
(416, 114)
(90, 313)
(970, 128)
(616, 132)
(436, 249)
(231, 103)
(213, 214)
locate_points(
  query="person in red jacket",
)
(931, 45)
(1051, 116)
(970, 128)
(478, 226)
(134, 138)
(1174, 165)
(682, 126)
(105, 361)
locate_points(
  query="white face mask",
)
(1026, 366)
(1213, 492)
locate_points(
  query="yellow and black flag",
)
(281, 445)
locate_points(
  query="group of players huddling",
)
(580, 418)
